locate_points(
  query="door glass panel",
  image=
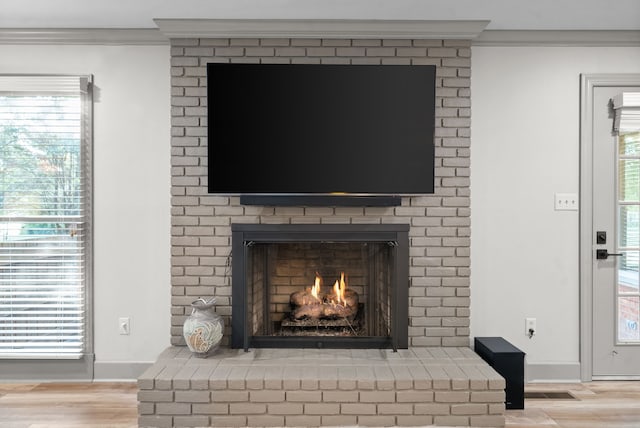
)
(629, 173)
(628, 319)
(630, 146)
(629, 226)
(628, 295)
(628, 272)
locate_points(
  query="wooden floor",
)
(114, 405)
(611, 404)
(69, 405)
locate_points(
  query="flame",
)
(339, 288)
(315, 290)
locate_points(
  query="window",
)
(45, 212)
(628, 294)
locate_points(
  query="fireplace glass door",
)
(319, 293)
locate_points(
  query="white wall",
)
(525, 147)
(131, 192)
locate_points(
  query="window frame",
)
(62, 368)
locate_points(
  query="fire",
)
(339, 288)
(315, 303)
(315, 290)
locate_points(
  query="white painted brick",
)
(191, 421)
(155, 421)
(413, 396)
(306, 42)
(442, 52)
(229, 421)
(339, 420)
(366, 42)
(396, 61)
(452, 167)
(173, 408)
(415, 51)
(376, 421)
(262, 51)
(265, 421)
(336, 42)
(358, 409)
(267, 396)
(322, 408)
(274, 42)
(155, 396)
(488, 421)
(412, 421)
(451, 420)
(351, 51)
(428, 42)
(396, 42)
(247, 408)
(229, 51)
(381, 52)
(304, 396)
(469, 409)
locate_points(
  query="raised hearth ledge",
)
(321, 387)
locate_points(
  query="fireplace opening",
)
(333, 286)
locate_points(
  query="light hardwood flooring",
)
(114, 405)
(69, 405)
(610, 404)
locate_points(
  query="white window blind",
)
(45, 137)
(627, 112)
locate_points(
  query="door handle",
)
(604, 254)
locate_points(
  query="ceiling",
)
(502, 14)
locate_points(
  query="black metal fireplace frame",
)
(244, 235)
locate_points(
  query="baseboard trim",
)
(552, 372)
(46, 370)
(119, 370)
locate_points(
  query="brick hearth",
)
(328, 387)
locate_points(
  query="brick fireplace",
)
(439, 234)
(437, 379)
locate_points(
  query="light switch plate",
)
(566, 201)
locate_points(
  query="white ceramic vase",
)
(203, 329)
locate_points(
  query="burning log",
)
(308, 311)
(338, 311)
(307, 297)
(312, 304)
(304, 298)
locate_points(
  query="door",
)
(615, 241)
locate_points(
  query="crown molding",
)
(311, 28)
(319, 28)
(82, 36)
(586, 38)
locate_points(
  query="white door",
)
(615, 242)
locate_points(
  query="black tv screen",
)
(307, 129)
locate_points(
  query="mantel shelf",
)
(321, 28)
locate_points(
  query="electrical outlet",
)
(123, 326)
(530, 327)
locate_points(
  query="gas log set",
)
(315, 305)
(336, 313)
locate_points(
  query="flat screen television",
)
(313, 129)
